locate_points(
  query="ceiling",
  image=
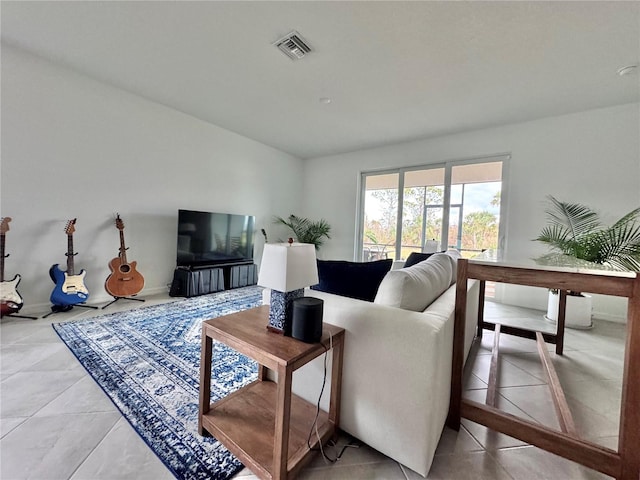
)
(394, 71)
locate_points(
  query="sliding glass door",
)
(381, 193)
(474, 218)
(431, 208)
(422, 211)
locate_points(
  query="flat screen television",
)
(207, 238)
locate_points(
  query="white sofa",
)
(397, 362)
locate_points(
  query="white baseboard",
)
(96, 300)
(609, 318)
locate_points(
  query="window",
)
(422, 211)
(431, 208)
(381, 216)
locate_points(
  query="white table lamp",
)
(286, 268)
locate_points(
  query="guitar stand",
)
(66, 308)
(17, 316)
(115, 299)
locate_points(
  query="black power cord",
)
(314, 425)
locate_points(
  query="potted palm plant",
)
(305, 230)
(578, 238)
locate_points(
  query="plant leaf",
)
(578, 219)
(576, 230)
(305, 230)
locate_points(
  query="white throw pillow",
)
(415, 287)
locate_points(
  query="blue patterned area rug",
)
(148, 361)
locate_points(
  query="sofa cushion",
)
(416, 257)
(415, 287)
(352, 279)
(454, 255)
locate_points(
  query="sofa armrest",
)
(396, 374)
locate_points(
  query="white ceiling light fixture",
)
(293, 45)
(628, 70)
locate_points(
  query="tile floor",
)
(56, 423)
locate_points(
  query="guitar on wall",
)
(10, 299)
(70, 288)
(125, 280)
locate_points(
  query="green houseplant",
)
(305, 230)
(578, 238)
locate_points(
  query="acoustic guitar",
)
(10, 299)
(124, 280)
(70, 288)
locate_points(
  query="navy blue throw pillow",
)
(352, 279)
(416, 257)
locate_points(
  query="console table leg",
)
(481, 294)
(629, 438)
(457, 360)
(562, 312)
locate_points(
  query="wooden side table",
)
(263, 423)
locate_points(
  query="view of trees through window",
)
(380, 232)
(471, 216)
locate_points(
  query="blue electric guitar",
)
(70, 288)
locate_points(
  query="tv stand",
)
(191, 281)
(240, 274)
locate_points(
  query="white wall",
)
(75, 147)
(591, 157)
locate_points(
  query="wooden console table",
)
(263, 423)
(623, 464)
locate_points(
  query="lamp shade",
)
(287, 267)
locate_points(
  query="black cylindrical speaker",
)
(307, 319)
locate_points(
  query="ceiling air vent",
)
(293, 45)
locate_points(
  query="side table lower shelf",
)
(243, 421)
